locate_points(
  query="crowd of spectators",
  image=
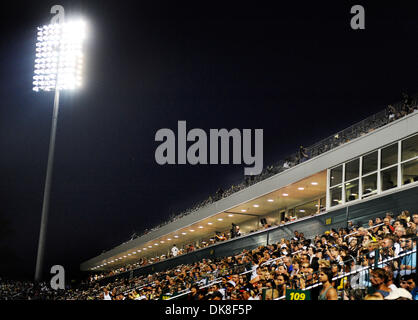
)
(175, 251)
(216, 238)
(337, 252)
(372, 261)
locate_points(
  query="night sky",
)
(297, 70)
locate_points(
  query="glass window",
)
(352, 169)
(410, 148)
(307, 209)
(351, 190)
(336, 176)
(410, 172)
(369, 163)
(389, 156)
(389, 178)
(322, 204)
(336, 196)
(369, 185)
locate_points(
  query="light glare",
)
(59, 58)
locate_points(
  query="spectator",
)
(408, 262)
(303, 156)
(328, 292)
(106, 294)
(220, 237)
(238, 231)
(174, 251)
(193, 295)
(408, 282)
(379, 278)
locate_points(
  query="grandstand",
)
(357, 174)
(352, 263)
(340, 223)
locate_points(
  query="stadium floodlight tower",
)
(58, 66)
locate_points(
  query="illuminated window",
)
(410, 148)
(369, 163)
(352, 170)
(336, 176)
(389, 155)
(389, 178)
(410, 172)
(369, 185)
(352, 190)
(336, 196)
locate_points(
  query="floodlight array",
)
(59, 57)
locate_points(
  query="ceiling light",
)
(314, 183)
(191, 230)
(149, 246)
(301, 210)
(161, 241)
(210, 223)
(285, 194)
(243, 210)
(183, 233)
(255, 205)
(155, 244)
(230, 215)
(176, 236)
(200, 227)
(125, 256)
(270, 200)
(169, 239)
(220, 219)
(301, 188)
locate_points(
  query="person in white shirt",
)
(174, 251)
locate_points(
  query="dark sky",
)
(298, 71)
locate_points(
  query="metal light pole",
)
(58, 66)
(47, 191)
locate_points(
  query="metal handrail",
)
(242, 273)
(378, 225)
(345, 274)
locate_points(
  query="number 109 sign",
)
(297, 294)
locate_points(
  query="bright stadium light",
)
(58, 67)
(59, 56)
